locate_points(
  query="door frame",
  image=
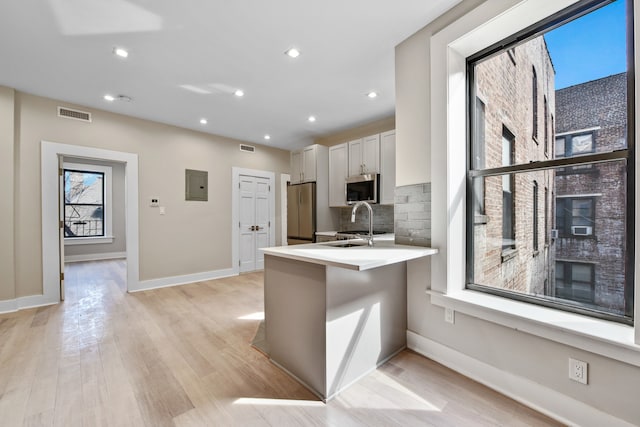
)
(51, 151)
(285, 178)
(235, 214)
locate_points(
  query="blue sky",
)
(590, 47)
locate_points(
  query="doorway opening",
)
(53, 223)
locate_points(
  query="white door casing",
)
(50, 219)
(253, 206)
(61, 226)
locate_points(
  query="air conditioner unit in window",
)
(581, 230)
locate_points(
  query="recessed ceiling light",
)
(239, 93)
(312, 119)
(372, 94)
(203, 121)
(122, 53)
(109, 98)
(267, 137)
(292, 52)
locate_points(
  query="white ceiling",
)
(187, 57)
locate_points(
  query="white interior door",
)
(254, 221)
(61, 222)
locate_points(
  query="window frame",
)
(483, 26)
(575, 11)
(107, 172)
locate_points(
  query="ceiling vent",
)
(247, 148)
(68, 113)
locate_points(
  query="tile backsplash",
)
(412, 211)
(382, 218)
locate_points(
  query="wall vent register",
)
(69, 113)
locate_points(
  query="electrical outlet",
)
(449, 315)
(578, 370)
(154, 202)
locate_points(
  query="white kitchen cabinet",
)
(304, 165)
(387, 167)
(338, 172)
(364, 155)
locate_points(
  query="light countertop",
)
(384, 252)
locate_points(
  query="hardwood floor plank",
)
(182, 357)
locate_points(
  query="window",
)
(575, 281)
(574, 145)
(501, 252)
(535, 217)
(87, 203)
(575, 216)
(534, 103)
(546, 127)
(508, 220)
(478, 156)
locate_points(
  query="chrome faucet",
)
(353, 219)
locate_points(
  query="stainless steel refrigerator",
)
(301, 213)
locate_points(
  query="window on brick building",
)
(575, 281)
(575, 216)
(534, 102)
(585, 183)
(508, 199)
(535, 217)
(575, 144)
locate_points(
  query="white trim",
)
(22, 303)
(164, 282)
(578, 131)
(108, 202)
(73, 241)
(235, 215)
(545, 400)
(50, 232)
(284, 180)
(597, 336)
(94, 257)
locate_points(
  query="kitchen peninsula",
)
(336, 311)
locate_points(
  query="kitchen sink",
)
(345, 245)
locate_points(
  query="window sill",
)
(508, 254)
(88, 240)
(602, 337)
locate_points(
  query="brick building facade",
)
(513, 124)
(590, 201)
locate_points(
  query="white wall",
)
(192, 238)
(7, 187)
(527, 367)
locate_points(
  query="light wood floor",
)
(181, 356)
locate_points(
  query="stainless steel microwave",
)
(362, 188)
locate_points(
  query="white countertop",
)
(384, 252)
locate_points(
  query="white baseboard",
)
(94, 257)
(545, 400)
(145, 285)
(23, 303)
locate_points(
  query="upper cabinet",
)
(338, 173)
(304, 166)
(364, 155)
(387, 167)
(373, 154)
